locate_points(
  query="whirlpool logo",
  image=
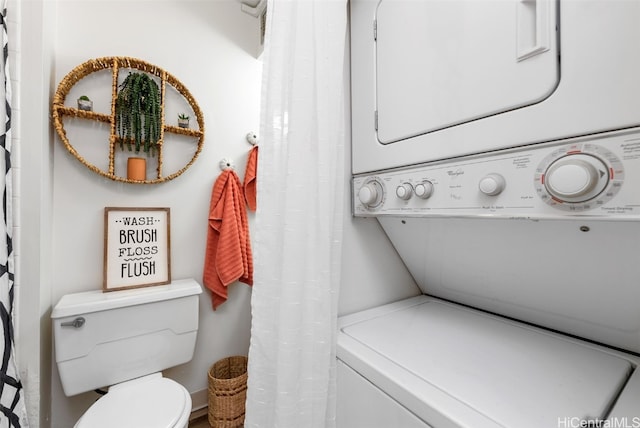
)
(576, 422)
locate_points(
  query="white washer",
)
(426, 362)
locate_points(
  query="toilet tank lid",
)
(96, 300)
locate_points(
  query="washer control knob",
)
(492, 184)
(424, 190)
(404, 191)
(370, 194)
(575, 178)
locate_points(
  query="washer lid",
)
(492, 366)
(149, 402)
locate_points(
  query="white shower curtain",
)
(298, 227)
(12, 408)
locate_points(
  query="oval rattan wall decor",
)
(63, 115)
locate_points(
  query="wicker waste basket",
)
(227, 392)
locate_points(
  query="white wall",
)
(33, 179)
(209, 47)
(372, 272)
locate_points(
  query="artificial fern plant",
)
(138, 115)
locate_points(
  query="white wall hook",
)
(252, 138)
(227, 163)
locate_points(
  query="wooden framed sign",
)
(136, 248)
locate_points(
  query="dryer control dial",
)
(404, 191)
(492, 184)
(424, 190)
(371, 193)
(576, 178)
(579, 177)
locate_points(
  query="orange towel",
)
(228, 253)
(250, 178)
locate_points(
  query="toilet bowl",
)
(122, 340)
(152, 401)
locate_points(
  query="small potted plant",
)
(84, 103)
(183, 120)
(138, 120)
(138, 112)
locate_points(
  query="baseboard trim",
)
(199, 414)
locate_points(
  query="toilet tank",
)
(102, 338)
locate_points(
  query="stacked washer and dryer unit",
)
(498, 145)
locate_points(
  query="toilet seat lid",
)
(152, 401)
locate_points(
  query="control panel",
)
(593, 177)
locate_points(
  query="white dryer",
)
(498, 145)
(437, 79)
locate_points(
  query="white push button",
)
(492, 184)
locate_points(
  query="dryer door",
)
(442, 63)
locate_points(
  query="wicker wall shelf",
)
(60, 111)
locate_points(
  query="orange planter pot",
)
(137, 169)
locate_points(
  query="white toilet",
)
(123, 340)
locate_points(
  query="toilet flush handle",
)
(77, 323)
